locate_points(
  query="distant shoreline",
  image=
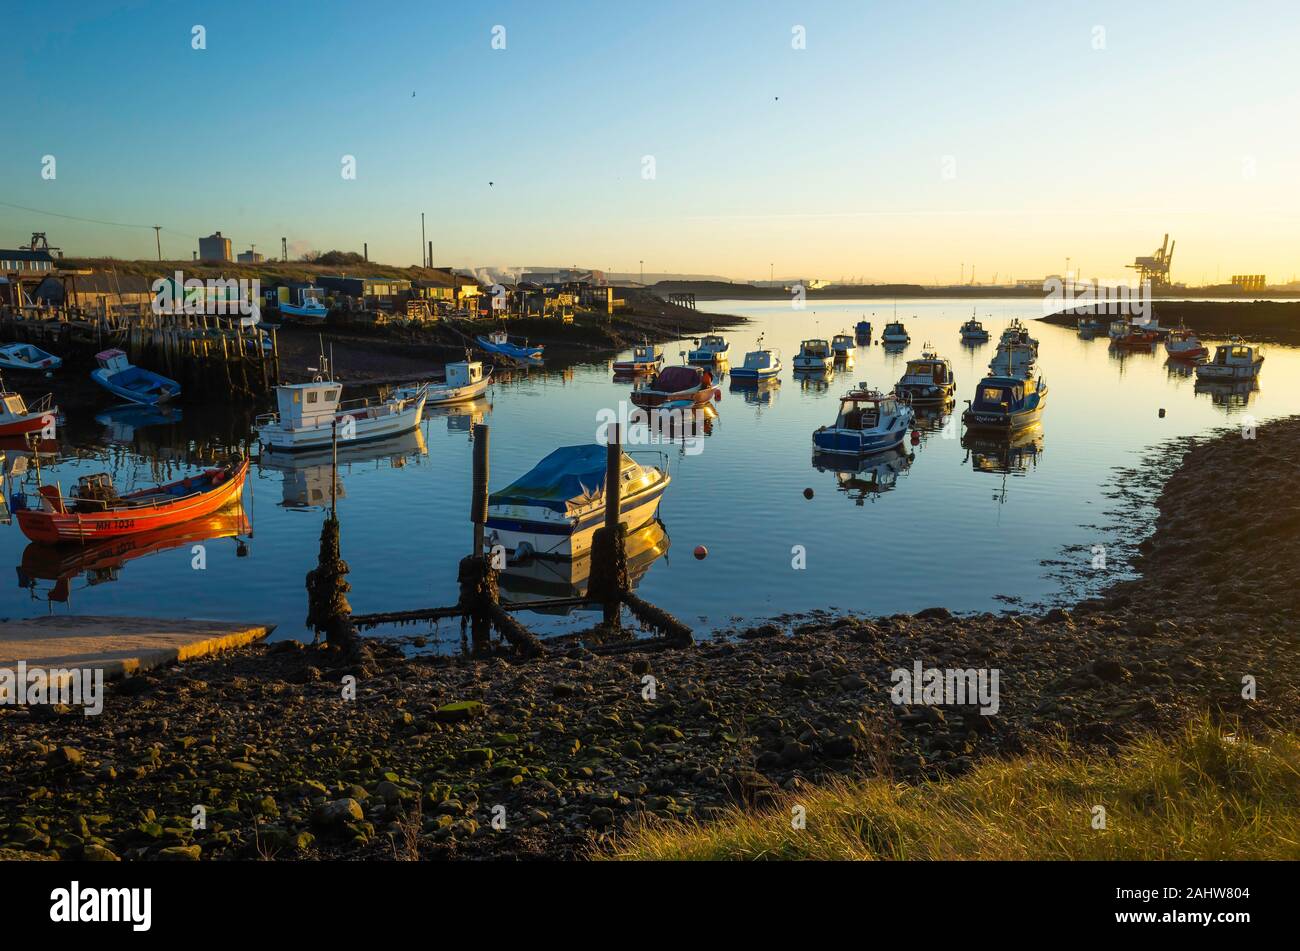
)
(1258, 320)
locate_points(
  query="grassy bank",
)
(1203, 794)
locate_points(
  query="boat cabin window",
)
(313, 396)
(993, 396)
(14, 404)
(858, 416)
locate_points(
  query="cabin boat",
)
(895, 333)
(647, 358)
(18, 419)
(927, 381)
(1182, 344)
(710, 349)
(1138, 335)
(309, 414)
(814, 355)
(136, 384)
(310, 308)
(1014, 359)
(863, 331)
(465, 381)
(973, 331)
(554, 509)
(1017, 333)
(1006, 403)
(1232, 361)
(760, 364)
(868, 421)
(842, 346)
(676, 387)
(95, 511)
(1090, 325)
(517, 348)
(23, 356)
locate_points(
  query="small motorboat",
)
(1233, 360)
(1135, 336)
(675, 388)
(868, 421)
(25, 357)
(895, 334)
(1006, 404)
(760, 364)
(1017, 333)
(1090, 325)
(1118, 328)
(863, 331)
(647, 358)
(464, 381)
(96, 511)
(517, 348)
(711, 348)
(121, 378)
(973, 331)
(842, 347)
(814, 355)
(18, 419)
(310, 309)
(310, 414)
(927, 381)
(1014, 359)
(554, 509)
(1182, 344)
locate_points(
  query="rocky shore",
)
(444, 757)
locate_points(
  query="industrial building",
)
(214, 248)
(251, 257)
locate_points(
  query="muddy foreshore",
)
(563, 750)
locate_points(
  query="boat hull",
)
(311, 316)
(1003, 422)
(926, 394)
(105, 380)
(843, 442)
(655, 399)
(446, 396)
(367, 429)
(571, 537)
(32, 423)
(743, 373)
(1215, 371)
(510, 349)
(56, 528)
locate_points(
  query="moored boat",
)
(1014, 359)
(814, 355)
(1090, 325)
(711, 348)
(122, 378)
(927, 381)
(895, 333)
(647, 358)
(1017, 333)
(309, 415)
(675, 387)
(761, 364)
(863, 331)
(308, 309)
(842, 346)
(25, 357)
(95, 510)
(1006, 403)
(464, 381)
(973, 331)
(1182, 344)
(18, 419)
(868, 421)
(554, 509)
(517, 348)
(1232, 361)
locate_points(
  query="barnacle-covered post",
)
(609, 579)
(478, 580)
(328, 610)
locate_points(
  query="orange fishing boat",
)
(96, 511)
(17, 418)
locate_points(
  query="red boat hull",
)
(55, 527)
(650, 399)
(27, 424)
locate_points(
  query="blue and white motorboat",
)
(761, 364)
(814, 356)
(711, 348)
(863, 331)
(121, 378)
(842, 346)
(23, 356)
(869, 421)
(309, 309)
(1232, 361)
(517, 348)
(927, 381)
(465, 381)
(895, 334)
(554, 509)
(1006, 404)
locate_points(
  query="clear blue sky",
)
(823, 162)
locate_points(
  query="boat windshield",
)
(997, 395)
(857, 416)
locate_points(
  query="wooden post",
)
(478, 500)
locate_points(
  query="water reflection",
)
(757, 392)
(306, 476)
(867, 477)
(1229, 395)
(122, 422)
(461, 417)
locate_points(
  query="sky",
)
(911, 141)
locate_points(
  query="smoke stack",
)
(365, 251)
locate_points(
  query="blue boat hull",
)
(510, 349)
(158, 390)
(847, 443)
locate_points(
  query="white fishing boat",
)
(927, 381)
(761, 364)
(842, 347)
(1233, 360)
(814, 355)
(647, 358)
(1017, 333)
(973, 331)
(310, 414)
(895, 334)
(23, 356)
(554, 509)
(711, 348)
(465, 381)
(1014, 359)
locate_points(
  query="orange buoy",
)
(701, 552)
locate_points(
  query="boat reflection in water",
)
(1002, 455)
(121, 422)
(865, 477)
(933, 419)
(760, 392)
(537, 578)
(100, 562)
(306, 481)
(816, 381)
(462, 417)
(1229, 395)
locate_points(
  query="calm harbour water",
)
(949, 526)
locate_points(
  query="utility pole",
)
(157, 237)
(284, 250)
(643, 273)
(423, 255)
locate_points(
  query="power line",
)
(93, 221)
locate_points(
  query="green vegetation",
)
(1206, 794)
